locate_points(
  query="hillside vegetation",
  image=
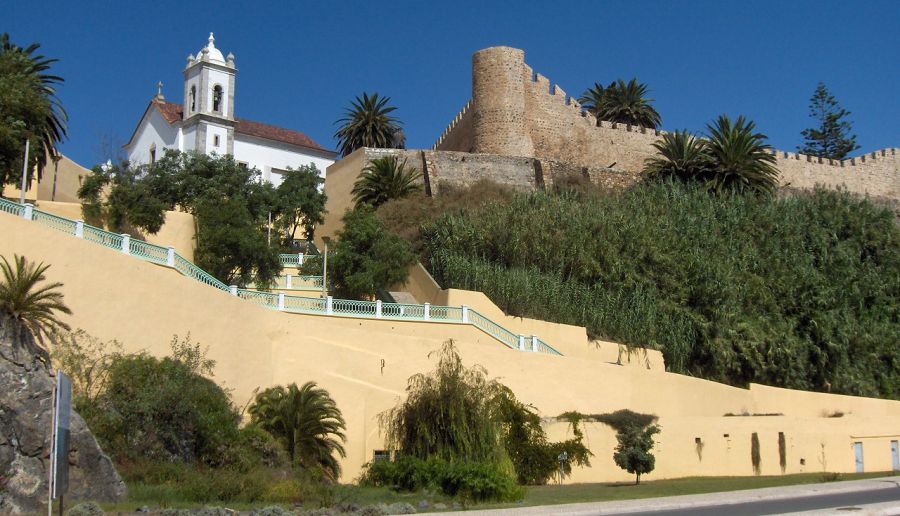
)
(800, 292)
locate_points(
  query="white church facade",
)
(205, 122)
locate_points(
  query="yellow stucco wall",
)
(178, 230)
(365, 365)
(68, 176)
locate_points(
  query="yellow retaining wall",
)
(178, 230)
(365, 365)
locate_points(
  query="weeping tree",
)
(447, 414)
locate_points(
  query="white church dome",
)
(213, 53)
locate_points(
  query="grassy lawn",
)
(575, 493)
(161, 496)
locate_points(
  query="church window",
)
(216, 140)
(217, 99)
(152, 153)
(193, 98)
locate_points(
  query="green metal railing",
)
(167, 256)
(294, 260)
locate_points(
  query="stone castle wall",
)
(454, 169)
(517, 112)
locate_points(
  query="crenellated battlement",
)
(449, 129)
(516, 111)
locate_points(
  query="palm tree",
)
(627, 104)
(742, 160)
(592, 100)
(307, 421)
(368, 123)
(680, 155)
(29, 304)
(41, 117)
(384, 179)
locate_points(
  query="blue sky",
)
(300, 63)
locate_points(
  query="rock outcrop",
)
(26, 388)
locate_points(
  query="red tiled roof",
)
(279, 134)
(173, 112)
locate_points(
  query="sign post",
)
(59, 444)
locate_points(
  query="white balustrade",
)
(79, 228)
(126, 243)
(170, 257)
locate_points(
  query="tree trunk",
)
(637, 479)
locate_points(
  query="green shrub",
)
(163, 409)
(469, 480)
(799, 292)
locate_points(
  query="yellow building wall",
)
(365, 365)
(68, 176)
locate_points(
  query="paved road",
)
(849, 502)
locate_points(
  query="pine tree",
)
(832, 138)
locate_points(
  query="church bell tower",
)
(209, 101)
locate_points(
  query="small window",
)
(193, 99)
(216, 140)
(217, 98)
(381, 455)
(153, 154)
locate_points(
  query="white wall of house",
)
(153, 130)
(267, 154)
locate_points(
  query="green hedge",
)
(468, 480)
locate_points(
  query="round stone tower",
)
(498, 99)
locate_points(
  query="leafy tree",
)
(534, 458)
(163, 409)
(369, 123)
(230, 244)
(29, 108)
(307, 421)
(300, 202)
(633, 450)
(831, 138)
(366, 258)
(385, 179)
(129, 203)
(742, 160)
(34, 305)
(229, 201)
(621, 102)
(680, 155)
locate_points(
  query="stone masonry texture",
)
(515, 112)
